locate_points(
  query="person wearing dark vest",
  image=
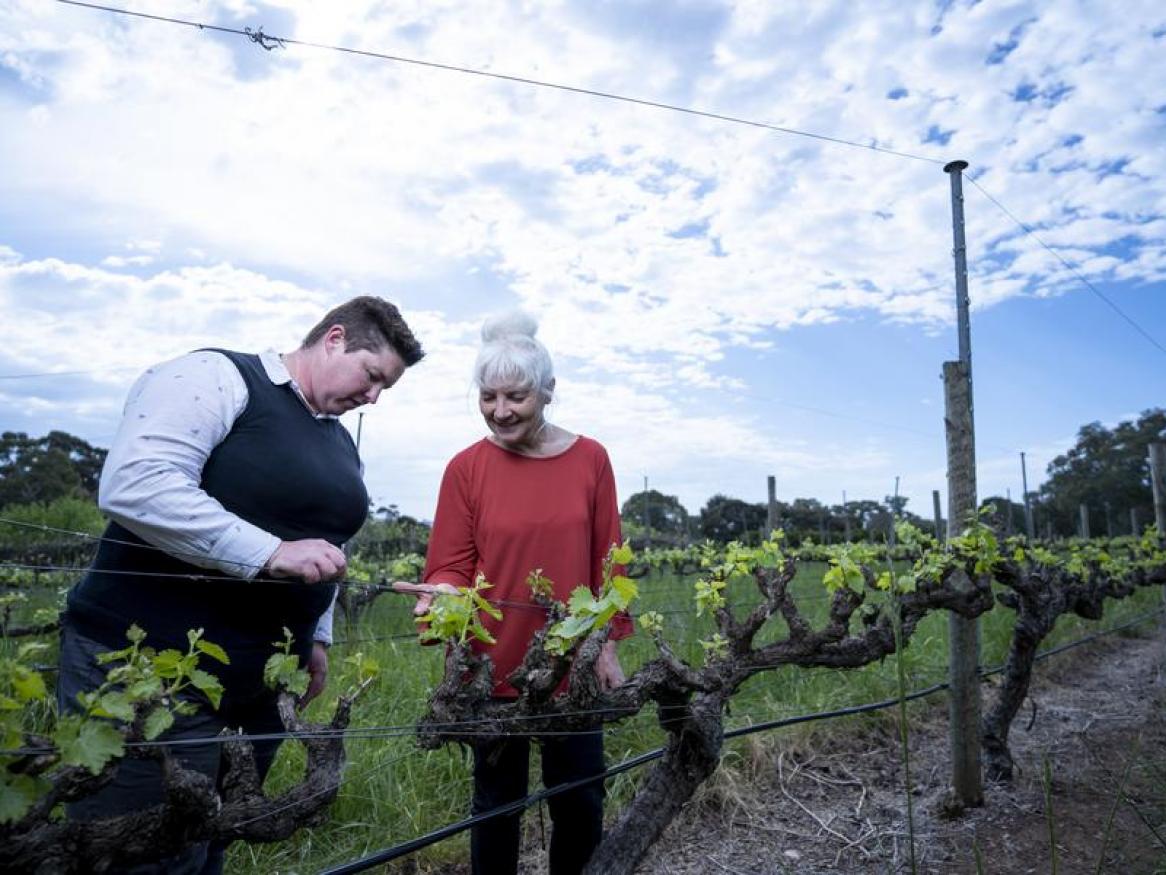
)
(230, 487)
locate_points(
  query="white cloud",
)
(249, 189)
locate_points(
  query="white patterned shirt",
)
(177, 412)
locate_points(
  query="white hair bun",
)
(503, 325)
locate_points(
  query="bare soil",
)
(834, 801)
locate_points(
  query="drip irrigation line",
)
(1072, 269)
(268, 41)
(515, 807)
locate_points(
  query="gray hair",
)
(510, 354)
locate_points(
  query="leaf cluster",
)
(587, 612)
(457, 618)
(143, 691)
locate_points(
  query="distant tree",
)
(1105, 465)
(47, 468)
(803, 518)
(896, 505)
(725, 519)
(999, 518)
(895, 510)
(388, 533)
(665, 513)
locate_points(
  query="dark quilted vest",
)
(280, 469)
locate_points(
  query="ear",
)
(335, 338)
(550, 391)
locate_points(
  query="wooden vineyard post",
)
(963, 634)
(1158, 484)
(647, 516)
(771, 520)
(845, 519)
(939, 533)
(1083, 525)
(1029, 525)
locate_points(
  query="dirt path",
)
(833, 802)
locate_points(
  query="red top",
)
(504, 514)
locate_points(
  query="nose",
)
(373, 394)
(501, 410)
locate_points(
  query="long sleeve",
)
(323, 632)
(176, 413)
(452, 555)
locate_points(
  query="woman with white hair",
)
(529, 495)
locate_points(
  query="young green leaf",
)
(213, 651)
(157, 722)
(210, 685)
(87, 743)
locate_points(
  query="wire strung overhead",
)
(269, 42)
(1071, 268)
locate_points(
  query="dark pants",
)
(500, 776)
(138, 782)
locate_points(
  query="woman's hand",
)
(425, 593)
(607, 668)
(312, 560)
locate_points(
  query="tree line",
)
(1106, 470)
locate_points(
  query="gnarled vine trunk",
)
(1040, 595)
(193, 810)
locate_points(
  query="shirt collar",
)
(278, 373)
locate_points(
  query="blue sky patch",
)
(897, 93)
(692, 229)
(1112, 168)
(1049, 96)
(935, 135)
(533, 190)
(1024, 93)
(1002, 50)
(29, 90)
(592, 164)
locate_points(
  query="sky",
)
(723, 302)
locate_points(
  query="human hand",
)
(607, 668)
(312, 560)
(317, 675)
(425, 593)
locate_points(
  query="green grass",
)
(393, 791)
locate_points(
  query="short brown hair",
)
(369, 323)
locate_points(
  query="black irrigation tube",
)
(406, 848)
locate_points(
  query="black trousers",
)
(501, 772)
(138, 782)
